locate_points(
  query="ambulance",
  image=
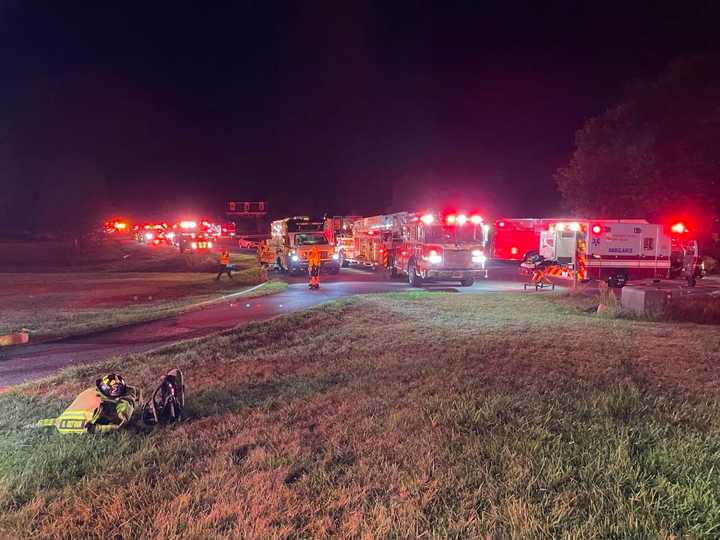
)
(614, 251)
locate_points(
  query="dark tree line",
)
(656, 153)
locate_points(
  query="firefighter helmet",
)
(112, 385)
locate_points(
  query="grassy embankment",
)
(117, 283)
(420, 414)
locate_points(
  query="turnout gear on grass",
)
(93, 411)
(167, 402)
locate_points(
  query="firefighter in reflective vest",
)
(314, 267)
(225, 266)
(107, 407)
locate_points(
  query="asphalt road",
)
(28, 363)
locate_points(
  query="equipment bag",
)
(167, 401)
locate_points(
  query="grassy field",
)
(110, 255)
(396, 416)
(130, 283)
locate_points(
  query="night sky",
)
(152, 108)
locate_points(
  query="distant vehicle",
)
(339, 231)
(116, 226)
(248, 243)
(150, 233)
(192, 236)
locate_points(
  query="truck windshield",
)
(453, 234)
(308, 239)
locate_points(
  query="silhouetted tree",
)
(654, 153)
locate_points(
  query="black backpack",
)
(167, 401)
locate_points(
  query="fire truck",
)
(423, 246)
(516, 239)
(191, 236)
(614, 251)
(339, 231)
(291, 240)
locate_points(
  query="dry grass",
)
(397, 416)
(52, 305)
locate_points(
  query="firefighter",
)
(314, 268)
(107, 407)
(225, 266)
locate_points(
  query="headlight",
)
(434, 258)
(194, 245)
(335, 256)
(478, 257)
(295, 258)
(209, 244)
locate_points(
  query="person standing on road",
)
(225, 266)
(314, 268)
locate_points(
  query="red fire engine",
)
(424, 246)
(339, 232)
(514, 239)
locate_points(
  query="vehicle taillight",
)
(513, 250)
(597, 229)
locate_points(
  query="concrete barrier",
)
(649, 300)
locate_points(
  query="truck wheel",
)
(467, 282)
(617, 280)
(413, 279)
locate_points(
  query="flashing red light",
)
(513, 250)
(475, 220)
(462, 219)
(427, 219)
(501, 224)
(451, 219)
(597, 229)
(679, 228)
(403, 253)
(371, 232)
